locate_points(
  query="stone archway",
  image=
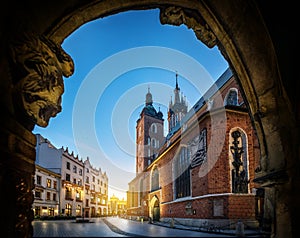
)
(236, 27)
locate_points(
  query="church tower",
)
(178, 108)
(149, 134)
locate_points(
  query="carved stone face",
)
(42, 104)
(38, 71)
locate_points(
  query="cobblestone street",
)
(112, 227)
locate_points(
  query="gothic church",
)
(202, 171)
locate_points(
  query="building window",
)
(50, 211)
(182, 174)
(153, 128)
(87, 179)
(48, 183)
(78, 195)
(93, 179)
(68, 177)
(38, 180)
(68, 193)
(155, 179)
(79, 182)
(54, 197)
(80, 171)
(232, 97)
(78, 210)
(68, 209)
(54, 184)
(68, 165)
(48, 196)
(37, 194)
(75, 169)
(74, 180)
(86, 202)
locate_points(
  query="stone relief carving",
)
(198, 149)
(37, 69)
(239, 176)
(177, 16)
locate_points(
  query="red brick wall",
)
(241, 207)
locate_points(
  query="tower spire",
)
(176, 91)
(177, 108)
(177, 80)
(149, 100)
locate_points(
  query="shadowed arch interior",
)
(239, 31)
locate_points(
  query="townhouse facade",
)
(82, 190)
(203, 172)
(46, 193)
(117, 206)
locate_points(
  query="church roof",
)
(201, 102)
(151, 111)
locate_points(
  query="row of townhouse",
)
(66, 185)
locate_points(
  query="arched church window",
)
(153, 128)
(155, 179)
(232, 97)
(182, 185)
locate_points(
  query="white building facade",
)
(82, 190)
(46, 192)
(96, 191)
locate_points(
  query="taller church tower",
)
(178, 108)
(149, 134)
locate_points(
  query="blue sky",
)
(116, 59)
